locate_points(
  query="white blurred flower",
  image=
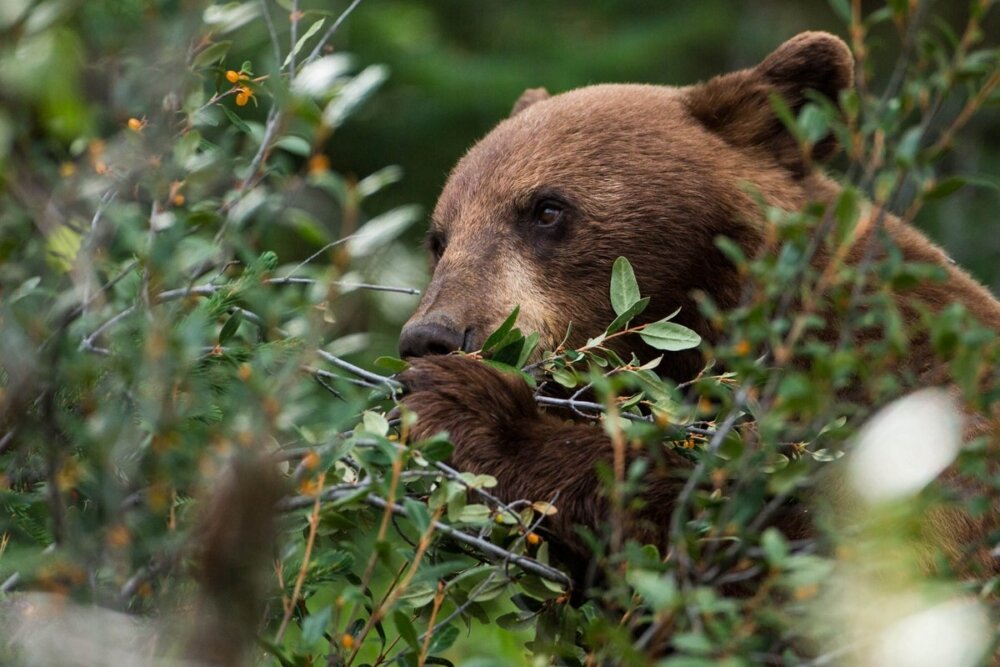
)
(905, 446)
(952, 634)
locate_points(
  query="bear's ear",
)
(527, 98)
(738, 106)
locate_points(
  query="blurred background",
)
(454, 69)
(458, 66)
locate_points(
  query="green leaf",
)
(692, 642)
(530, 343)
(374, 182)
(670, 336)
(517, 620)
(392, 364)
(418, 594)
(629, 313)
(443, 639)
(301, 41)
(375, 423)
(906, 151)
(235, 120)
(405, 629)
(62, 245)
(842, 9)
(437, 449)
(474, 514)
(774, 546)
(294, 145)
(494, 338)
(211, 54)
(659, 591)
(230, 327)
(813, 123)
(847, 211)
(565, 377)
(944, 188)
(418, 514)
(381, 230)
(509, 351)
(353, 93)
(315, 625)
(784, 114)
(25, 289)
(624, 288)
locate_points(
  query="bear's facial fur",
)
(536, 213)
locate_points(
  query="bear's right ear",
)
(738, 106)
(527, 98)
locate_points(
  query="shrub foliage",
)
(183, 276)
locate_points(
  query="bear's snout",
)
(424, 338)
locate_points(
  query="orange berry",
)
(347, 641)
(244, 372)
(742, 348)
(241, 99)
(232, 76)
(319, 163)
(135, 124)
(533, 538)
(310, 460)
(178, 199)
(118, 536)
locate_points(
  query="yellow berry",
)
(135, 124)
(533, 538)
(347, 641)
(178, 199)
(232, 76)
(241, 99)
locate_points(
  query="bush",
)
(159, 353)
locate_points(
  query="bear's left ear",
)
(738, 107)
(527, 98)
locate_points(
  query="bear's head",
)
(535, 214)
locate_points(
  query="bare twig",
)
(310, 541)
(272, 32)
(330, 32)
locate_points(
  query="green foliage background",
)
(176, 298)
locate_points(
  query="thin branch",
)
(272, 32)
(527, 564)
(330, 32)
(293, 37)
(393, 385)
(7, 439)
(483, 546)
(300, 579)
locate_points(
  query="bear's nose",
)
(425, 338)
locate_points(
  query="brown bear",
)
(535, 214)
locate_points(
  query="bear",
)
(535, 214)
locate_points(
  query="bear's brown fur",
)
(537, 211)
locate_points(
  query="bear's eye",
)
(436, 244)
(549, 214)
